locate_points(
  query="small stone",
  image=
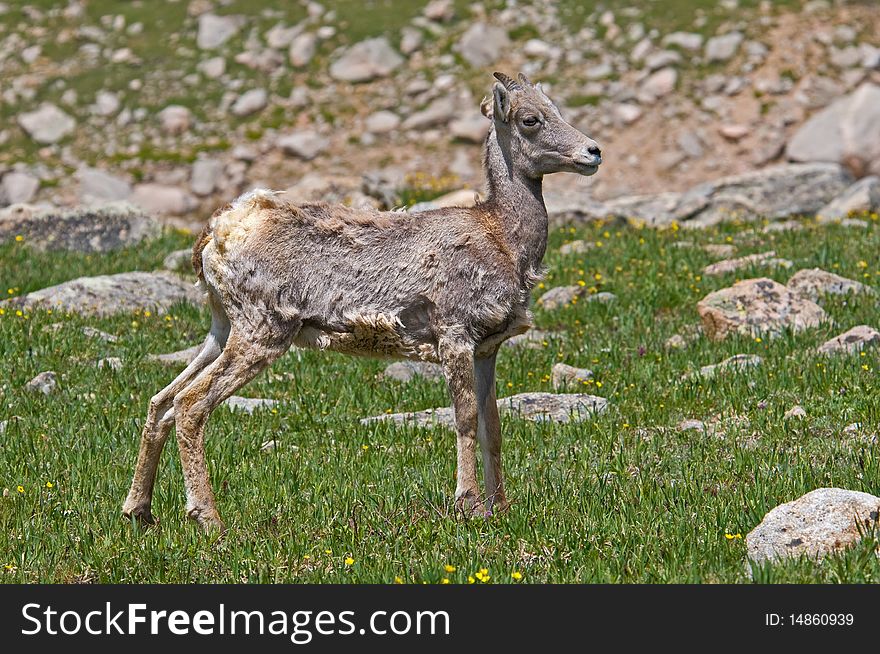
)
(382, 122)
(98, 185)
(178, 261)
(212, 68)
(691, 425)
(733, 364)
(560, 296)
(404, 371)
(719, 249)
(563, 376)
(110, 363)
(175, 119)
(482, 44)
(627, 113)
(250, 102)
(302, 50)
(732, 265)
(796, 412)
(45, 383)
(534, 339)
(91, 332)
(249, 404)
(367, 60)
(733, 132)
(270, 445)
(179, 358)
(471, 129)
(47, 124)
(686, 40)
(576, 247)
(214, 30)
(206, 175)
(722, 48)
(815, 283)
(18, 187)
(163, 199)
(305, 145)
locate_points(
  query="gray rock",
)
(84, 229)
(305, 145)
(472, 129)
(814, 283)
(106, 295)
(854, 340)
(848, 131)
(749, 261)
(45, 383)
(722, 48)
(213, 68)
(175, 119)
(368, 60)
(627, 113)
(100, 186)
(250, 102)
(537, 407)
(534, 339)
(302, 50)
(175, 359)
(411, 40)
(17, 187)
(91, 332)
(662, 59)
(439, 112)
(441, 11)
(720, 249)
(560, 296)
(206, 175)
(106, 104)
(690, 144)
(691, 424)
(482, 44)
(178, 261)
(686, 40)
(576, 247)
(215, 30)
(109, 363)
(822, 522)
(249, 404)
(46, 124)
(689, 334)
(736, 363)
(796, 412)
(861, 197)
(757, 307)
(163, 199)
(404, 371)
(660, 83)
(565, 376)
(382, 122)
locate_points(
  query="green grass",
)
(622, 498)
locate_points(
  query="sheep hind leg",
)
(243, 358)
(160, 418)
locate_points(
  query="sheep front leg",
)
(457, 358)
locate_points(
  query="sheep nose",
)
(594, 150)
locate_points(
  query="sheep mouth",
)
(586, 169)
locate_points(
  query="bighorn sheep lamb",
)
(447, 285)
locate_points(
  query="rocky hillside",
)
(176, 109)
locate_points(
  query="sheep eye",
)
(530, 121)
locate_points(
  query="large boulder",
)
(773, 192)
(757, 307)
(847, 131)
(824, 521)
(365, 61)
(83, 229)
(106, 295)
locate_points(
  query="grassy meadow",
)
(626, 497)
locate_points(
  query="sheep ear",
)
(502, 102)
(486, 107)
